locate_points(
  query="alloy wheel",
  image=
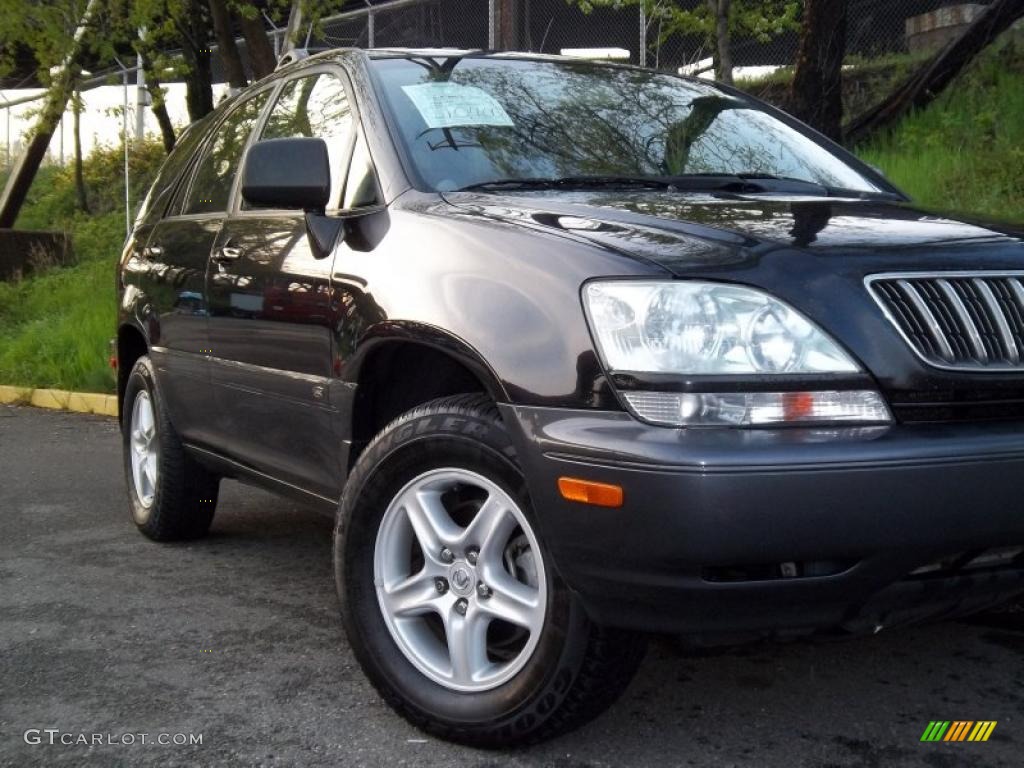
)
(144, 449)
(460, 579)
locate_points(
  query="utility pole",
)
(24, 170)
(124, 141)
(141, 96)
(7, 133)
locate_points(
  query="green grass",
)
(55, 327)
(965, 151)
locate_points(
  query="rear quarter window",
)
(170, 173)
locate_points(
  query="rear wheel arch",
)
(131, 345)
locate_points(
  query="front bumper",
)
(730, 533)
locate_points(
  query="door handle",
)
(228, 253)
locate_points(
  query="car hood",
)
(683, 232)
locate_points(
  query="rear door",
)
(272, 312)
(177, 255)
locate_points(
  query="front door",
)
(272, 316)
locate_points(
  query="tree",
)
(816, 93)
(222, 27)
(192, 21)
(936, 73)
(151, 60)
(717, 21)
(720, 12)
(261, 53)
(58, 35)
(157, 30)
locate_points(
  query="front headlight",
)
(695, 328)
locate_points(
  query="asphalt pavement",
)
(236, 640)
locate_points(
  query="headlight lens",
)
(715, 329)
(703, 328)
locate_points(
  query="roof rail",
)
(295, 54)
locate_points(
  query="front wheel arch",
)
(395, 375)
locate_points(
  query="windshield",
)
(472, 121)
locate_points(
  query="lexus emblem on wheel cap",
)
(461, 580)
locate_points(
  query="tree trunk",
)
(195, 50)
(509, 24)
(928, 82)
(146, 50)
(81, 199)
(257, 43)
(229, 54)
(156, 93)
(720, 11)
(816, 95)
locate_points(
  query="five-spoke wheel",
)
(144, 449)
(170, 495)
(460, 579)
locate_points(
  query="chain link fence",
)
(875, 28)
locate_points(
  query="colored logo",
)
(959, 730)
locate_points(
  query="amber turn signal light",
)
(589, 492)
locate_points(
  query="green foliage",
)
(759, 19)
(45, 28)
(966, 150)
(55, 327)
(51, 199)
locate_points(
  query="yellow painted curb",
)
(59, 399)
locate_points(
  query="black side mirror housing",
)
(288, 173)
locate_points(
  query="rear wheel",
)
(170, 495)
(448, 595)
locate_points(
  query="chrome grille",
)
(960, 320)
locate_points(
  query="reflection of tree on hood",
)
(808, 220)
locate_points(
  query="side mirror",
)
(287, 173)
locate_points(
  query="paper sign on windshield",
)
(449, 105)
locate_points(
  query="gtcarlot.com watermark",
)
(56, 737)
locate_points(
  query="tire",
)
(178, 500)
(564, 673)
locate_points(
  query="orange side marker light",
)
(589, 492)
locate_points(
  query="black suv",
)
(574, 351)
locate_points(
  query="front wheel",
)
(449, 598)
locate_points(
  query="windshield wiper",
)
(736, 183)
(570, 182)
(694, 182)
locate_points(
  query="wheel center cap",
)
(462, 579)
